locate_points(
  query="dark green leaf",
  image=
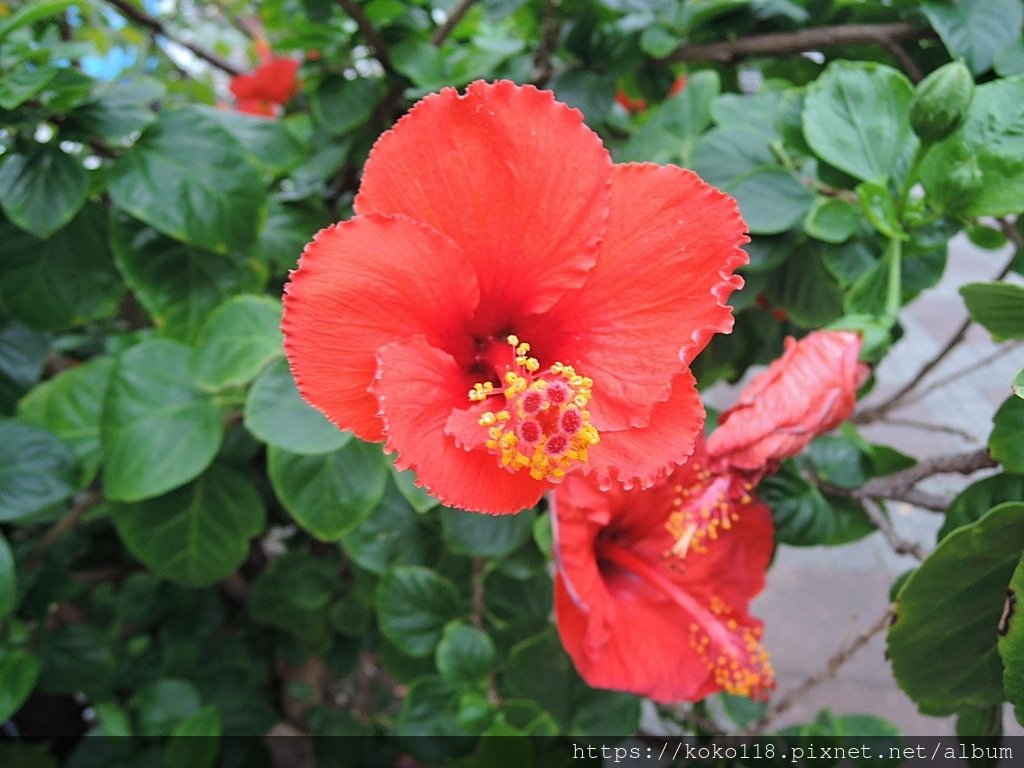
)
(421, 62)
(197, 534)
(159, 430)
(286, 230)
(471, 533)
(805, 290)
(591, 93)
(430, 708)
(8, 580)
(878, 203)
(43, 190)
(19, 671)
(418, 498)
(23, 353)
(241, 337)
(855, 118)
(269, 144)
(997, 306)
(179, 285)
(942, 641)
(978, 498)
(195, 741)
(188, 158)
(1006, 443)
(975, 29)
(329, 493)
(78, 657)
(1010, 59)
(162, 705)
(1011, 641)
(806, 517)
(413, 606)
(70, 405)
(341, 105)
(771, 200)
(19, 86)
(63, 281)
(37, 470)
(393, 535)
(118, 109)
(465, 654)
(294, 594)
(276, 413)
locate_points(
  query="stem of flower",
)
(894, 292)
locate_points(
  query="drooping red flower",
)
(498, 252)
(653, 586)
(267, 88)
(811, 389)
(628, 103)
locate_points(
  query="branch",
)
(896, 399)
(542, 68)
(85, 503)
(369, 33)
(810, 39)
(838, 659)
(153, 24)
(900, 545)
(442, 32)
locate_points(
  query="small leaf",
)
(832, 220)
(341, 105)
(430, 708)
(465, 654)
(240, 338)
(294, 594)
(37, 470)
(162, 705)
(413, 606)
(997, 306)
(476, 535)
(19, 671)
(393, 535)
(1006, 443)
(43, 190)
(195, 740)
(771, 200)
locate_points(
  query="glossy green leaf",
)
(118, 109)
(978, 498)
(196, 534)
(19, 671)
(592, 93)
(670, 132)
(63, 281)
(1010, 59)
(997, 306)
(855, 118)
(1006, 443)
(287, 229)
(37, 470)
(877, 202)
(975, 30)
(159, 430)
(276, 413)
(832, 220)
(178, 285)
(728, 152)
(1011, 641)
(8, 579)
(329, 493)
(186, 157)
(471, 533)
(269, 144)
(23, 353)
(465, 653)
(340, 105)
(430, 708)
(805, 290)
(239, 339)
(43, 190)
(942, 641)
(771, 200)
(418, 498)
(806, 517)
(393, 535)
(413, 606)
(70, 405)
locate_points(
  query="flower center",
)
(703, 509)
(545, 426)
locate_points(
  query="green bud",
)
(941, 101)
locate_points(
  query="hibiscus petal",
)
(509, 174)
(810, 390)
(360, 285)
(418, 385)
(658, 292)
(639, 456)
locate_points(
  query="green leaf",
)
(329, 493)
(413, 606)
(975, 29)
(465, 654)
(19, 671)
(70, 405)
(341, 105)
(855, 118)
(179, 286)
(430, 708)
(539, 670)
(470, 533)
(23, 353)
(286, 230)
(658, 42)
(276, 413)
(37, 470)
(19, 86)
(241, 337)
(997, 306)
(421, 62)
(78, 658)
(418, 498)
(43, 190)
(186, 749)
(1011, 641)
(294, 594)
(728, 152)
(832, 220)
(669, 133)
(159, 430)
(771, 200)
(197, 534)
(1018, 384)
(806, 290)
(1006, 443)
(1010, 59)
(978, 498)
(806, 517)
(878, 203)
(63, 281)
(162, 705)
(269, 144)
(942, 641)
(8, 580)
(31, 13)
(393, 535)
(188, 158)
(118, 109)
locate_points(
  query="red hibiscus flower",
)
(628, 103)
(508, 307)
(653, 587)
(268, 88)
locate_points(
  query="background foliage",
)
(187, 548)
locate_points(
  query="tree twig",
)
(837, 660)
(369, 33)
(86, 502)
(550, 31)
(900, 545)
(154, 24)
(926, 427)
(906, 62)
(802, 40)
(442, 32)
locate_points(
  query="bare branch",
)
(900, 545)
(442, 32)
(369, 33)
(802, 40)
(927, 427)
(906, 62)
(156, 26)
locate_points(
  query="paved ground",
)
(820, 598)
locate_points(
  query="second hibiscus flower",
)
(508, 307)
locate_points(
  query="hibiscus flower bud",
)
(941, 102)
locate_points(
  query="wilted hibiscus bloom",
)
(653, 586)
(508, 307)
(267, 88)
